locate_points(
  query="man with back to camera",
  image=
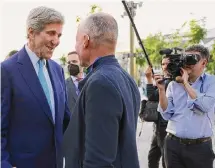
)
(34, 101)
(76, 75)
(104, 120)
(189, 107)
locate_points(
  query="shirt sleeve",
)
(204, 102)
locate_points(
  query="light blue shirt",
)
(34, 59)
(76, 82)
(191, 118)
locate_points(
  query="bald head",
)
(101, 28)
(96, 37)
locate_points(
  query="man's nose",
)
(55, 40)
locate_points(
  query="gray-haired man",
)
(188, 105)
(34, 102)
(104, 119)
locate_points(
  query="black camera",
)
(178, 60)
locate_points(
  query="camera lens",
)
(191, 59)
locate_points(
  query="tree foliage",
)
(93, 9)
(197, 31)
(154, 43)
(211, 64)
(63, 60)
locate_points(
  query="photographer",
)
(189, 104)
(156, 149)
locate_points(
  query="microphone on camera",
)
(165, 51)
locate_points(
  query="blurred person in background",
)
(76, 75)
(159, 132)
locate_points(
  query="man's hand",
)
(149, 75)
(184, 76)
(191, 92)
(162, 93)
(159, 82)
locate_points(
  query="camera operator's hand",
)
(162, 93)
(149, 75)
(185, 75)
(191, 92)
(159, 82)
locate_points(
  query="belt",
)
(187, 141)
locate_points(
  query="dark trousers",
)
(178, 155)
(156, 149)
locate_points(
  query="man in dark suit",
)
(76, 74)
(104, 121)
(34, 101)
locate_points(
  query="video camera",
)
(178, 60)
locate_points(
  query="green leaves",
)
(93, 9)
(63, 60)
(78, 19)
(154, 43)
(211, 65)
(197, 31)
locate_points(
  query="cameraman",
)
(156, 149)
(189, 107)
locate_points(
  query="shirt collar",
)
(74, 78)
(90, 68)
(201, 77)
(33, 57)
(98, 61)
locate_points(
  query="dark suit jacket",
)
(71, 93)
(30, 139)
(104, 121)
(72, 97)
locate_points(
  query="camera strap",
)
(202, 85)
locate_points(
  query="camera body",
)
(178, 60)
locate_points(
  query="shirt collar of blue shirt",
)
(201, 77)
(33, 57)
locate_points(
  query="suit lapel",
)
(27, 70)
(55, 86)
(72, 89)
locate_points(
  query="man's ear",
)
(86, 41)
(31, 33)
(205, 62)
